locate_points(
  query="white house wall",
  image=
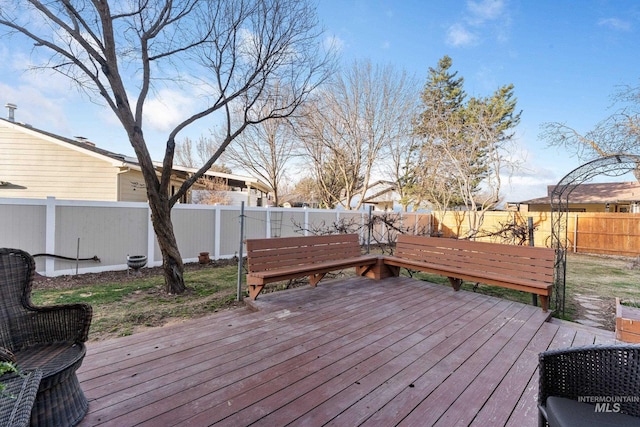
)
(131, 186)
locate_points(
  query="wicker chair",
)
(19, 396)
(47, 338)
(592, 385)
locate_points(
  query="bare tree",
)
(229, 54)
(192, 155)
(184, 155)
(216, 192)
(350, 126)
(618, 133)
(305, 190)
(334, 170)
(266, 149)
(404, 154)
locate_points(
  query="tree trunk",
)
(171, 258)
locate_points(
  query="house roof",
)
(233, 180)
(378, 189)
(122, 160)
(78, 144)
(609, 192)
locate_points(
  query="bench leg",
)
(254, 291)
(378, 271)
(455, 283)
(544, 303)
(365, 270)
(315, 278)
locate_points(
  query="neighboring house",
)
(382, 195)
(39, 164)
(604, 197)
(240, 188)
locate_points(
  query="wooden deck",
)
(349, 352)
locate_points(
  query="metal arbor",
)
(614, 165)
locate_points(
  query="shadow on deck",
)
(350, 352)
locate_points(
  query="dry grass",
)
(125, 304)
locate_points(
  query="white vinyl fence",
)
(113, 230)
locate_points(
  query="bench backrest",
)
(282, 252)
(525, 262)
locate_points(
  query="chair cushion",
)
(51, 358)
(563, 412)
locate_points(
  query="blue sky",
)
(565, 58)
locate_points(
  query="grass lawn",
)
(126, 304)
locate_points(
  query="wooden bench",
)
(284, 258)
(523, 268)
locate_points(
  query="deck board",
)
(350, 352)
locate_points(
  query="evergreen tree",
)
(463, 143)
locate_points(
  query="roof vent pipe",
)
(12, 108)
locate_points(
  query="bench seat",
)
(475, 276)
(522, 268)
(285, 258)
(280, 274)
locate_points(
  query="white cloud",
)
(333, 43)
(459, 35)
(528, 181)
(615, 24)
(476, 19)
(35, 108)
(45, 80)
(167, 109)
(485, 10)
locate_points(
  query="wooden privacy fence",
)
(113, 230)
(588, 233)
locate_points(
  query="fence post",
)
(306, 222)
(216, 232)
(575, 235)
(50, 236)
(534, 297)
(240, 252)
(267, 227)
(369, 229)
(151, 241)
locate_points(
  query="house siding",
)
(582, 207)
(38, 168)
(131, 187)
(36, 164)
